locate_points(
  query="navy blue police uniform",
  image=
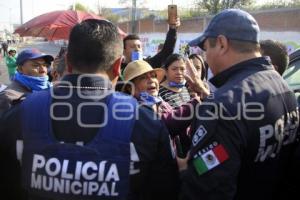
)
(243, 136)
(64, 154)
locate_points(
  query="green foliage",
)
(215, 6)
(190, 13)
(279, 4)
(109, 15)
(201, 8)
(79, 7)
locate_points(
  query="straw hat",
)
(139, 67)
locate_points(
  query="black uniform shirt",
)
(243, 135)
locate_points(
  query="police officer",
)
(244, 134)
(81, 140)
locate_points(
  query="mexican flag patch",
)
(210, 159)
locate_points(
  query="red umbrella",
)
(55, 25)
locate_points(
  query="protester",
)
(133, 43)
(4, 46)
(107, 149)
(201, 67)
(199, 64)
(173, 90)
(243, 137)
(277, 53)
(133, 50)
(11, 64)
(31, 76)
(145, 86)
(59, 68)
(144, 83)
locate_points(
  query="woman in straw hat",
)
(143, 83)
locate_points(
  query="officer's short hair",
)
(238, 46)
(277, 52)
(94, 45)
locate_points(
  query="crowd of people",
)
(112, 125)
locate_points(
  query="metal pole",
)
(21, 11)
(99, 7)
(133, 17)
(10, 23)
(74, 5)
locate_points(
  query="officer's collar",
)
(257, 64)
(86, 81)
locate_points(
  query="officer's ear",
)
(223, 44)
(69, 66)
(115, 71)
(116, 67)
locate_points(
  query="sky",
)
(10, 9)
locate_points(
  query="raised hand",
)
(194, 81)
(177, 23)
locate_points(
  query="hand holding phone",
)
(172, 14)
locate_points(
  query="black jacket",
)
(153, 173)
(158, 59)
(243, 137)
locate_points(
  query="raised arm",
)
(157, 60)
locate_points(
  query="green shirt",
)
(11, 64)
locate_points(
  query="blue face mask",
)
(32, 82)
(136, 55)
(177, 85)
(148, 99)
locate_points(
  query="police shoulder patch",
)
(199, 135)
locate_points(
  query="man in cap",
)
(244, 134)
(31, 76)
